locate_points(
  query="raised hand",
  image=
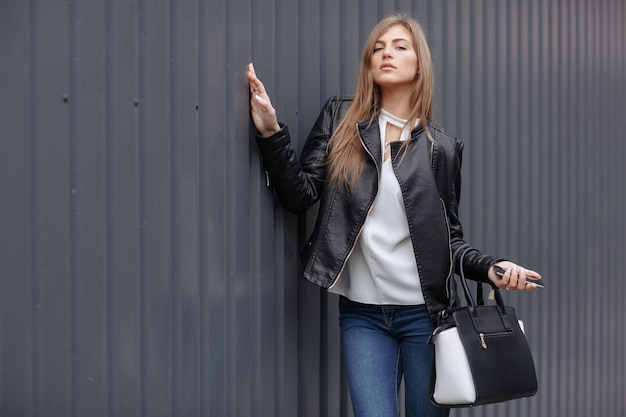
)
(263, 114)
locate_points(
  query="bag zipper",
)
(483, 337)
(482, 340)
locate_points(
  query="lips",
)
(387, 67)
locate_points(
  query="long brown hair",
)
(347, 156)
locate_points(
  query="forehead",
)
(395, 33)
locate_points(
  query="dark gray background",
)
(146, 270)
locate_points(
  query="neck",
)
(397, 102)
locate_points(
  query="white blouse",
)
(382, 268)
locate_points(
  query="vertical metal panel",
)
(155, 182)
(16, 256)
(146, 269)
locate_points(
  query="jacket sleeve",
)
(298, 182)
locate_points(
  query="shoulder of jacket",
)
(338, 100)
(336, 107)
(335, 103)
(444, 138)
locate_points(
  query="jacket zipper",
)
(451, 269)
(345, 261)
(445, 216)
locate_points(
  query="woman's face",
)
(394, 60)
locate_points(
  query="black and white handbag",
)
(481, 352)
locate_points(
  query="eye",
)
(378, 49)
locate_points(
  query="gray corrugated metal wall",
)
(146, 270)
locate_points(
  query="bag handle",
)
(455, 301)
(469, 300)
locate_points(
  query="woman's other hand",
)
(515, 277)
(263, 114)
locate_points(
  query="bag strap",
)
(455, 300)
(469, 300)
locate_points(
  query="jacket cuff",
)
(274, 141)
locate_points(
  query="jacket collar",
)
(369, 131)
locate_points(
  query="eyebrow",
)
(394, 40)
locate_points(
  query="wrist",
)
(269, 132)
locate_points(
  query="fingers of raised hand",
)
(256, 86)
(255, 89)
(258, 95)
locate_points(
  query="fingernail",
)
(258, 98)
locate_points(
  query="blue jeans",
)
(381, 344)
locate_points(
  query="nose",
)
(387, 51)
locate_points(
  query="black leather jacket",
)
(430, 181)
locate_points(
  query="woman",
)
(388, 182)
